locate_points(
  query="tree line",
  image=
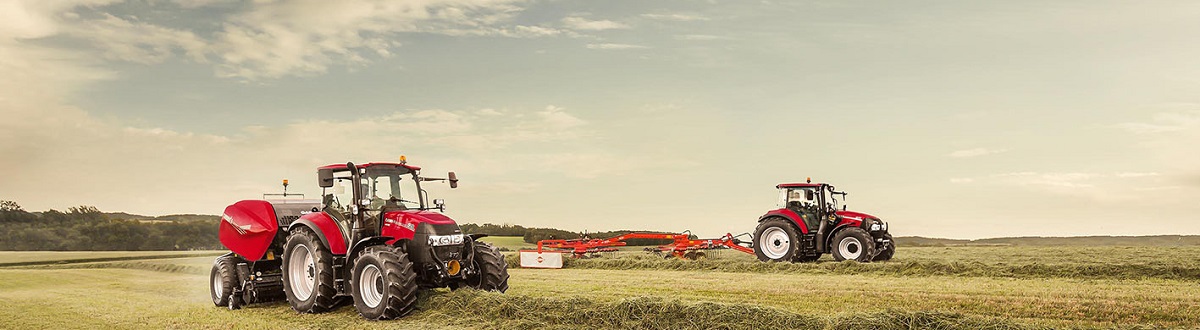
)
(85, 228)
(532, 235)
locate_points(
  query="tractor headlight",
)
(876, 227)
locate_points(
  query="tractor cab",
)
(807, 201)
(361, 199)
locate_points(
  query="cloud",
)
(610, 46)
(977, 152)
(579, 23)
(138, 42)
(1166, 122)
(559, 119)
(676, 17)
(700, 37)
(272, 39)
(1097, 186)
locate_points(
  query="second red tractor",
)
(809, 223)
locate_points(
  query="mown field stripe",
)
(508, 311)
(107, 259)
(897, 268)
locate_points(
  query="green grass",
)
(172, 293)
(511, 243)
(17, 258)
(1171, 263)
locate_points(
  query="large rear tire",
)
(776, 239)
(221, 280)
(308, 273)
(492, 271)
(853, 244)
(383, 283)
(887, 252)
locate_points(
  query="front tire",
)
(492, 271)
(308, 273)
(776, 239)
(221, 280)
(853, 244)
(383, 283)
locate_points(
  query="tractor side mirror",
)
(453, 180)
(325, 178)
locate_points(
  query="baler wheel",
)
(383, 283)
(853, 244)
(492, 270)
(308, 273)
(222, 279)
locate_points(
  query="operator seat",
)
(810, 217)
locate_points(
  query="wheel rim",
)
(218, 288)
(774, 243)
(370, 286)
(302, 272)
(850, 248)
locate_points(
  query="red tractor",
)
(373, 237)
(809, 223)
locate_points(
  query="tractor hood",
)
(405, 224)
(855, 215)
(417, 216)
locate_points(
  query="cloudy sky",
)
(961, 119)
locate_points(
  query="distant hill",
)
(169, 217)
(1159, 240)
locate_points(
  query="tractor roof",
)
(798, 185)
(342, 167)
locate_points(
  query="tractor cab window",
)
(342, 197)
(393, 187)
(798, 198)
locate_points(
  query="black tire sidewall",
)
(491, 269)
(788, 228)
(226, 282)
(321, 257)
(864, 239)
(364, 260)
(399, 282)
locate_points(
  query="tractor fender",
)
(786, 214)
(362, 244)
(325, 228)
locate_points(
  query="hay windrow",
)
(507, 311)
(897, 267)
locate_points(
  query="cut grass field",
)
(172, 293)
(510, 243)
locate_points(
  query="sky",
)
(958, 119)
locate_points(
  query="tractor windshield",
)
(390, 186)
(799, 197)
